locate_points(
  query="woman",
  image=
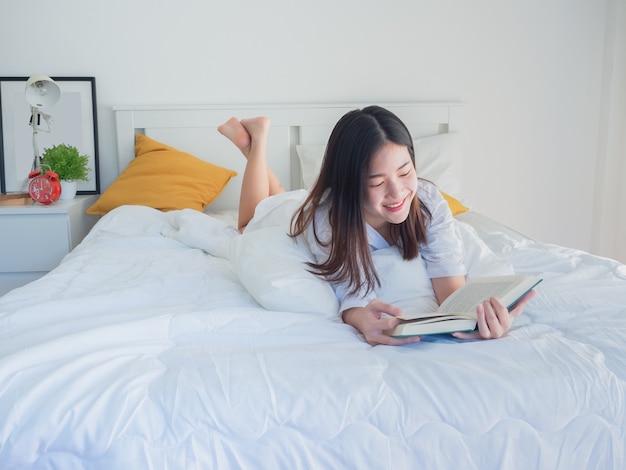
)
(368, 197)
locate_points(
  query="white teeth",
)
(393, 206)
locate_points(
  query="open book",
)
(458, 311)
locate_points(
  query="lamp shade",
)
(42, 91)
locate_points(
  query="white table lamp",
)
(41, 92)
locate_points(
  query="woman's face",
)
(391, 186)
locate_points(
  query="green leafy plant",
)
(66, 162)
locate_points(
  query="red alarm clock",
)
(44, 188)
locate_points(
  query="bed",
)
(166, 340)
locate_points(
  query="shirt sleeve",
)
(443, 251)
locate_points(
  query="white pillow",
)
(310, 157)
(272, 266)
(438, 158)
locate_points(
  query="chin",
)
(398, 218)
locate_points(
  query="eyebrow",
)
(398, 169)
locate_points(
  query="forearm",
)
(444, 286)
(348, 316)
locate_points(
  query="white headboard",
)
(193, 129)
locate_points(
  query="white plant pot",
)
(68, 189)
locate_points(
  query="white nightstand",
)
(34, 238)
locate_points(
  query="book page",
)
(470, 295)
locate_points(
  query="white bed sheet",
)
(142, 352)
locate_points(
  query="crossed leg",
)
(259, 182)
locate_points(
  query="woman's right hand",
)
(375, 326)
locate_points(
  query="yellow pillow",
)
(164, 178)
(455, 205)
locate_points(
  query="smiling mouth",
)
(395, 207)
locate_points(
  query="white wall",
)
(530, 72)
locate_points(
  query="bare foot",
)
(257, 127)
(236, 133)
(243, 133)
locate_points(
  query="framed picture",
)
(71, 121)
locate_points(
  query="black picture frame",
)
(74, 122)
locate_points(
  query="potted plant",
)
(69, 164)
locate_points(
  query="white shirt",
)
(443, 253)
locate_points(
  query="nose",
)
(394, 188)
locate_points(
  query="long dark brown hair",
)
(342, 186)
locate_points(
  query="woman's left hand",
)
(494, 320)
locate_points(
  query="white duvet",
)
(143, 350)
